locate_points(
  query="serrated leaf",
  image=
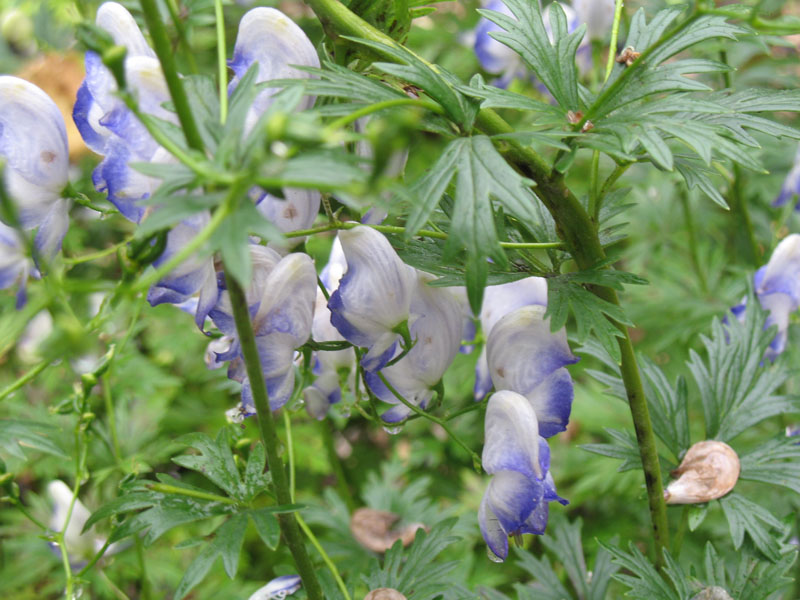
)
(228, 541)
(215, 461)
(745, 516)
(16, 434)
(266, 525)
(758, 580)
(645, 583)
(546, 584)
(564, 542)
(625, 449)
(669, 407)
(552, 62)
(697, 514)
(196, 571)
(696, 177)
(776, 462)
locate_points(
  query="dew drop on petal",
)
(492, 556)
(393, 430)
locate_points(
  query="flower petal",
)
(512, 497)
(297, 210)
(512, 436)
(280, 587)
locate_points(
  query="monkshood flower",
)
(15, 266)
(498, 301)
(598, 16)
(777, 287)
(437, 315)
(296, 210)
(278, 588)
(526, 358)
(499, 59)
(374, 295)
(281, 300)
(33, 148)
(517, 499)
(791, 185)
(192, 276)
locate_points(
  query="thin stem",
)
(118, 593)
(677, 542)
(698, 268)
(23, 509)
(612, 47)
(76, 260)
(594, 192)
(184, 253)
(112, 421)
(476, 461)
(27, 377)
(221, 62)
(174, 14)
(146, 592)
(287, 521)
(179, 491)
(163, 48)
(97, 556)
(463, 411)
(378, 106)
(741, 211)
(287, 421)
(325, 426)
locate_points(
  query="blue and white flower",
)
(498, 301)
(271, 39)
(281, 301)
(525, 357)
(437, 324)
(278, 588)
(777, 287)
(374, 295)
(15, 266)
(790, 190)
(598, 16)
(33, 148)
(517, 499)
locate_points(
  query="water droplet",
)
(393, 430)
(492, 556)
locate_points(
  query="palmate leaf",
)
(754, 579)
(481, 175)
(644, 581)
(737, 388)
(745, 516)
(414, 572)
(776, 462)
(552, 62)
(18, 434)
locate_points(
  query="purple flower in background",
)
(598, 16)
(525, 357)
(777, 287)
(15, 266)
(517, 499)
(498, 301)
(791, 185)
(436, 316)
(278, 588)
(374, 295)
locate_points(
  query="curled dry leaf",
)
(713, 593)
(709, 470)
(373, 529)
(384, 594)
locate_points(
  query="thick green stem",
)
(166, 57)
(741, 212)
(577, 229)
(288, 522)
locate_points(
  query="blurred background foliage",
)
(161, 388)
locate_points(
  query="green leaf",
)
(256, 480)
(644, 581)
(697, 514)
(228, 542)
(215, 462)
(266, 525)
(196, 571)
(696, 176)
(745, 516)
(179, 208)
(16, 434)
(669, 407)
(758, 580)
(625, 449)
(552, 62)
(737, 388)
(776, 462)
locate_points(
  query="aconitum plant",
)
(303, 292)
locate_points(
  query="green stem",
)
(476, 461)
(146, 591)
(166, 57)
(76, 260)
(698, 268)
(174, 14)
(677, 542)
(741, 211)
(325, 426)
(303, 525)
(612, 47)
(27, 377)
(288, 522)
(378, 106)
(112, 421)
(97, 556)
(184, 253)
(21, 508)
(179, 491)
(221, 62)
(594, 192)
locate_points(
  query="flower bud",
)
(709, 470)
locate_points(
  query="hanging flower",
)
(278, 588)
(373, 297)
(790, 190)
(498, 301)
(525, 357)
(436, 314)
(777, 287)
